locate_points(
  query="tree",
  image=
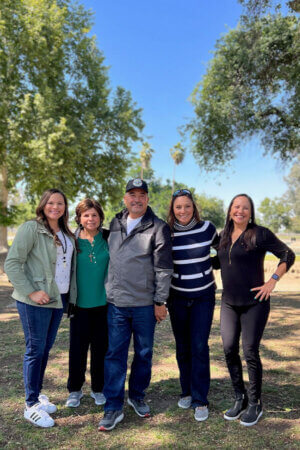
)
(60, 126)
(211, 208)
(145, 155)
(251, 87)
(255, 8)
(177, 153)
(292, 196)
(274, 214)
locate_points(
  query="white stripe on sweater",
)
(198, 230)
(194, 289)
(191, 261)
(199, 244)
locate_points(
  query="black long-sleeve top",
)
(242, 269)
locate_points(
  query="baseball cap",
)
(137, 183)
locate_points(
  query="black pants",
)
(191, 323)
(249, 320)
(88, 327)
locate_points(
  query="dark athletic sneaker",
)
(140, 407)
(237, 409)
(110, 420)
(252, 415)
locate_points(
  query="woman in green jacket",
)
(40, 266)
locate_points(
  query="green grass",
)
(169, 427)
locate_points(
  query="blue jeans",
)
(122, 323)
(40, 327)
(191, 323)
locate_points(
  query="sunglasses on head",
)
(182, 192)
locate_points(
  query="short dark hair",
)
(171, 216)
(86, 204)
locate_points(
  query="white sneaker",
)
(99, 398)
(185, 402)
(201, 413)
(46, 405)
(37, 416)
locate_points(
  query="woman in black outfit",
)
(246, 300)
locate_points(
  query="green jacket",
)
(31, 262)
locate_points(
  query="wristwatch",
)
(159, 303)
(275, 277)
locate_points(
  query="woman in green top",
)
(88, 324)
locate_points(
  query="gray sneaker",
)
(185, 402)
(74, 399)
(201, 413)
(99, 398)
(110, 420)
(140, 407)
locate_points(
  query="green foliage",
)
(145, 157)
(275, 214)
(60, 126)
(292, 196)
(251, 87)
(211, 208)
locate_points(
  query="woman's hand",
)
(265, 290)
(39, 297)
(160, 312)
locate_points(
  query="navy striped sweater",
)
(192, 263)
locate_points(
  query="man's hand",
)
(39, 297)
(160, 312)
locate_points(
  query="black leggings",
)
(249, 320)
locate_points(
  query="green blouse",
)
(92, 263)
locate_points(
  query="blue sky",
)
(159, 50)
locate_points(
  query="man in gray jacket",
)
(139, 276)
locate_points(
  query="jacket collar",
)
(147, 219)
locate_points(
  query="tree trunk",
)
(173, 184)
(3, 200)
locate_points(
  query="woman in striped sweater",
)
(192, 299)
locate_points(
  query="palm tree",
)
(177, 153)
(145, 155)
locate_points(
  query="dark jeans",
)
(191, 323)
(122, 323)
(88, 328)
(40, 327)
(249, 320)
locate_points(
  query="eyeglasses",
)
(182, 192)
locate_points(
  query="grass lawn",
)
(169, 427)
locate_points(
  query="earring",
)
(250, 220)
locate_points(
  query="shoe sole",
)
(235, 417)
(97, 403)
(74, 405)
(139, 414)
(184, 407)
(118, 420)
(249, 424)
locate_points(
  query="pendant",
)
(91, 257)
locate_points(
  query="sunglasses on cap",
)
(182, 192)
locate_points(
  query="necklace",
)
(92, 255)
(64, 249)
